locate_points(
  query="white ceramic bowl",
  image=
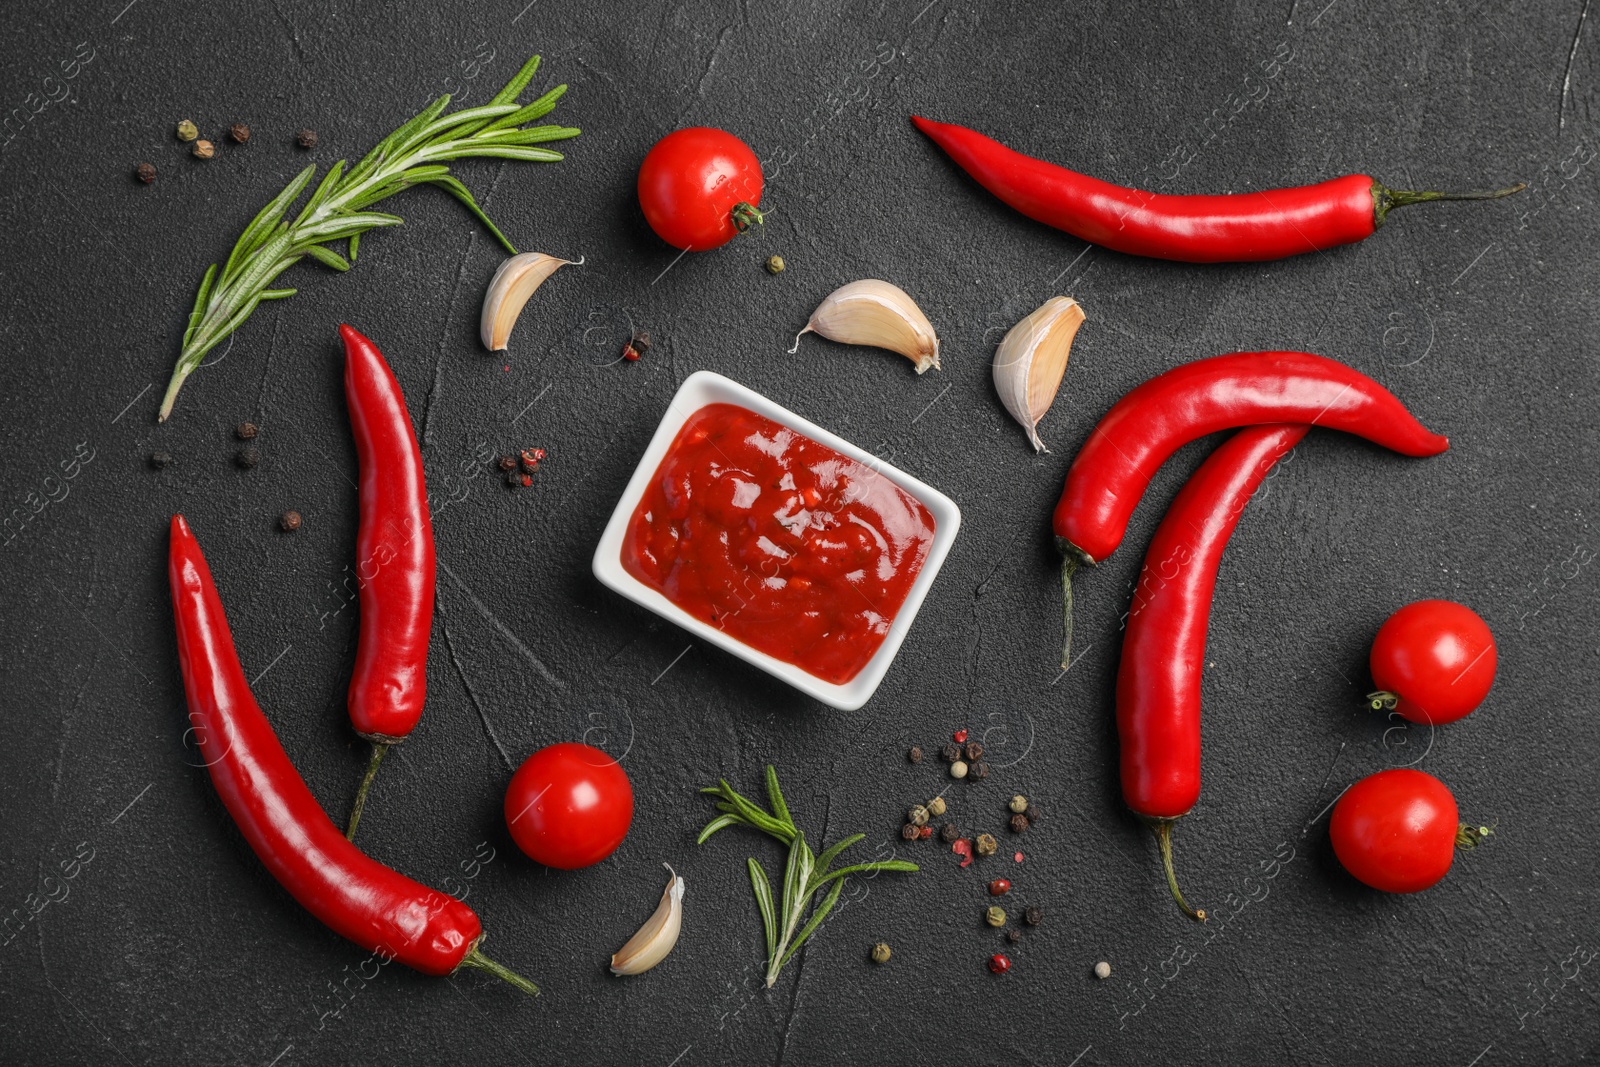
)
(702, 388)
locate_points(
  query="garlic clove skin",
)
(873, 312)
(657, 936)
(509, 291)
(1031, 360)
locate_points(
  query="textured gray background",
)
(173, 945)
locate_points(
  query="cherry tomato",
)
(569, 806)
(1396, 830)
(1437, 658)
(699, 186)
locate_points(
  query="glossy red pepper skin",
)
(1231, 228)
(354, 895)
(394, 551)
(1154, 420)
(1164, 647)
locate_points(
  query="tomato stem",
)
(1385, 199)
(1470, 837)
(1163, 832)
(478, 961)
(745, 215)
(1382, 700)
(379, 750)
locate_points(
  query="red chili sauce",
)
(778, 541)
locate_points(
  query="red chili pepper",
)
(1238, 227)
(1163, 651)
(1154, 420)
(354, 895)
(395, 561)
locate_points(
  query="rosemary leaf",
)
(411, 155)
(769, 917)
(718, 824)
(815, 921)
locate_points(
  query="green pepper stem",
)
(478, 961)
(1163, 831)
(379, 750)
(1385, 199)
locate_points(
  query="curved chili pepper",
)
(354, 895)
(1154, 420)
(395, 560)
(1163, 651)
(1237, 227)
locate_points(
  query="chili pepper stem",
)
(745, 215)
(379, 750)
(1385, 199)
(1069, 567)
(1163, 832)
(478, 961)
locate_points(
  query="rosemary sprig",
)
(339, 208)
(804, 873)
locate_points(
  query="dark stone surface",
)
(174, 945)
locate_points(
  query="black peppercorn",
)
(146, 172)
(974, 750)
(508, 463)
(160, 460)
(915, 755)
(247, 458)
(1019, 823)
(290, 521)
(910, 832)
(977, 771)
(951, 753)
(1032, 813)
(239, 132)
(949, 832)
(246, 431)
(1013, 935)
(1033, 916)
(514, 478)
(307, 139)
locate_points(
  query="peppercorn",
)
(239, 133)
(909, 832)
(951, 753)
(530, 459)
(187, 131)
(1102, 970)
(1019, 823)
(936, 806)
(774, 264)
(637, 346)
(995, 915)
(958, 769)
(987, 845)
(999, 963)
(203, 149)
(145, 172)
(290, 521)
(307, 139)
(974, 750)
(1019, 804)
(881, 953)
(246, 431)
(160, 460)
(1013, 935)
(949, 832)
(978, 771)
(1033, 916)
(924, 832)
(1032, 813)
(513, 479)
(999, 887)
(247, 458)
(508, 463)
(917, 816)
(915, 755)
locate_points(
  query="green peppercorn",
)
(204, 149)
(774, 264)
(917, 816)
(881, 953)
(995, 915)
(187, 131)
(1019, 804)
(986, 845)
(936, 807)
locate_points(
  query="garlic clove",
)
(656, 937)
(873, 312)
(1031, 360)
(509, 291)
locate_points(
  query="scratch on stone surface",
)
(494, 620)
(711, 65)
(472, 695)
(294, 34)
(1566, 81)
(66, 727)
(444, 333)
(800, 958)
(266, 372)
